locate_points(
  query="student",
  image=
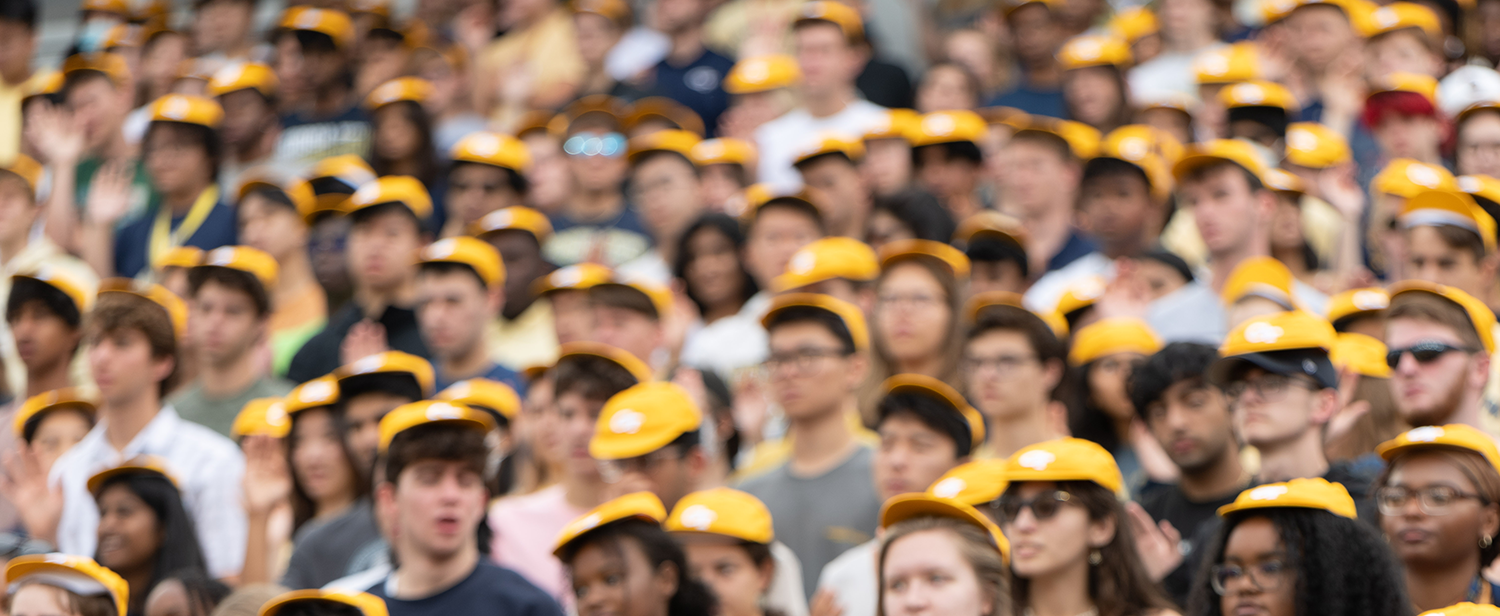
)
(1259, 112)
(940, 555)
(524, 334)
(145, 533)
(567, 293)
(320, 602)
(1440, 340)
(1473, 129)
(1404, 38)
(1365, 375)
(373, 386)
(460, 289)
(829, 168)
(228, 317)
(633, 315)
(996, 247)
(1258, 286)
(1450, 241)
(401, 132)
(1437, 506)
(1013, 365)
(761, 89)
(64, 585)
(1384, 239)
(1074, 549)
(689, 66)
(275, 217)
(647, 439)
(44, 313)
(503, 405)
(726, 167)
(596, 223)
(840, 267)
(818, 357)
(20, 27)
(488, 175)
(947, 161)
(314, 46)
(385, 237)
(917, 298)
(1093, 81)
(1041, 188)
(1221, 182)
(712, 269)
(1296, 548)
(186, 593)
(1039, 90)
(433, 497)
(728, 541)
(665, 186)
(247, 92)
(910, 214)
(1105, 354)
(50, 423)
(1401, 113)
(621, 545)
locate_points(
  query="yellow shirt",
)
(542, 56)
(10, 116)
(528, 340)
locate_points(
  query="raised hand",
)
(109, 193)
(366, 338)
(25, 484)
(55, 135)
(1157, 543)
(268, 479)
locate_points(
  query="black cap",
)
(1312, 363)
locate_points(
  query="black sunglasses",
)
(1043, 506)
(1424, 352)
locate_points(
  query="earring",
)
(1095, 557)
(1485, 541)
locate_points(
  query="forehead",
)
(1000, 340)
(1401, 331)
(782, 217)
(801, 333)
(1426, 468)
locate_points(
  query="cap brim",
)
(1278, 362)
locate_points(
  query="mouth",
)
(1181, 446)
(447, 525)
(1247, 608)
(1413, 535)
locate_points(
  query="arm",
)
(59, 141)
(108, 200)
(267, 484)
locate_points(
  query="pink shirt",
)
(526, 530)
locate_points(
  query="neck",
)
(517, 305)
(225, 379)
(687, 45)
(724, 309)
(1047, 230)
(259, 147)
(931, 366)
(595, 204)
(334, 505)
(138, 580)
(468, 363)
(375, 300)
(1300, 458)
(820, 441)
(824, 104)
(47, 378)
(1467, 412)
(182, 200)
(855, 226)
(404, 166)
(330, 99)
(427, 575)
(12, 246)
(1193, 41)
(582, 491)
(1435, 589)
(294, 276)
(1061, 593)
(116, 147)
(125, 419)
(1009, 434)
(1221, 477)
(1042, 72)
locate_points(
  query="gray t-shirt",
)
(342, 546)
(218, 414)
(820, 517)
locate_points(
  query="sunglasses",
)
(1424, 352)
(594, 144)
(1043, 506)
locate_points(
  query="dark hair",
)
(625, 298)
(1170, 259)
(1342, 567)
(1123, 113)
(424, 160)
(403, 384)
(1106, 167)
(204, 593)
(1197, 174)
(1043, 341)
(959, 150)
(804, 208)
(303, 507)
(82, 605)
(1085, 419)
(517, 181)
(205, 137)
(436, 441)
(921, 212)
(728, 227)
(20, 11)
(804, 163)
(692, 597)
(1274, 118)
(1048, 140)
(119, 311)
(179, 550)
(1119, 585)
(77, 78)
(365, 215)
(448, 268)
(237, 280)
(313, 41)
(594, 378)
(273, 195)
(1458, 238)
(994, 250)
(26, 290)
(644, 157)
(28, 430)
(1473, 465)
(809, 314)
(937, 415)
(1174, 363)
(321, 607)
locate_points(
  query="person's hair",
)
(303, 507)
(1046, 140)
(960, 150)
(424, 160)
(1274, 118)
(179, 550)
(1434, 309)
(33, 423)
(593, 378)
(114, 312)
(1119, 585)
(854, 39)
(940, 417)
(920, 211)
(722, 224)
(1341, 566)
(315, 42)
(1457, 238)
(273, 195)
(1198, 174)
(205, 137)
(436, 441)
(1382, 105)
(76, 79)
(72, 602)
(365, 215)
(655, 154)
(234, 279)
(204, 593)
(1177, 362)
(624, 298)
(1043, 341)
(994, 250)
(974, 545)
(1106, 167)
(803, 164)
(517, 181)
(692, 597)
(1473, 465)
(402, 384)
(19, 11)
(1170, 259)
(319, 608)
(1378, 425)
(27, 290)
(794, 205)
(1085, 419)
(809, 314)
(448, 268)
(247, 600)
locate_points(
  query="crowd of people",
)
(751, 308)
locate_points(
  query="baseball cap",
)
(1219, 150)
(837, 13)
(1315, 146)
(762, 74)
(1110, 336)
(1082, 139)
(475, 253)
(244, 76)
(484, 394)
(992, 225)
(1480, 315)
(366, 603)
(1079, 295)
(947, 256)
(140, 465)
(1452, 436)
(679, 116)
(1258, 94)
(177, 312)
(661, 297)
(940, 127)
(1259, 277)
(1291, 342)
(1303, 493)
(1362, 354)
(624, 359)
(1464, 609)
(1355, 302)
(580, 277)
(722, 511)
(923, 385)
(111, 65)
(1065, 459)
(1424, 85)
(179, 256)
(296, 190)
(670, 140)
(262, 417)
(76, 574)
(1094, 50)
(848, 146)
(514, 217)
(1401, 15)
(972, 483)
(78, 289)
(319, 392)
(1449, 208)
(388, 364)
(408, 416)
(187, 109)
(643, 419)
(723, 151)
(921, 505)
(26, 168)
(1480, 187)
(848, 313)
(1228, 64)
(493, 149)
(1005, 300)
(333, 23)
(826, 259)
(1142, 146)
(894, 124)
(1404, 177)
(34, 407)
(245, 259)
(403, 189)
(409, 89)
(643, 506)
(1133, 24)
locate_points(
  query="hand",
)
(675, 325)
(1338, 187)
(366, 338)
(751, 407)
(25, 485)
(268, 481)
(1350, 410)
(109, 193)
(1128, 295)
(824, 603)
(55, 135)
(1157, 543)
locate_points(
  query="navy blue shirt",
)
(615, 240)
(495, 372)
(133, 241)
(698, 85)
(490, 589)
(1074, 249)
(309, 139)
(1048, 103)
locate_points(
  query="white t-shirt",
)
(852, 579)
(779, 140)
(731, 343)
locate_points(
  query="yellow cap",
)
(670, 140)
(319, 392)
(244, 76)
(1148, 149)
(1082, 139)
(924, 385)
(922, 505)
(403, 189)
(1314, 145)
(1231, 150)
(262, 417)
(723, 151)
(620, 357)
(244, 259)
(350, 169)
(390, 362)
(614, 10)
(1080, 295)
(838, 13)
(1464, 609)
(1065, 459)
(1356, 302)
(1285, 183)
(493, 149)
(1011, 6)
(34, 406)
(478, 254)
(1401, 15)
(366, 603)
(580, 277)
(643, 506)
(485, 395)
(187, 109)
(408, 416)
(1133, 24)
(112, 65)
(722, 511)
(947, 256)
(826, 259)
(140, 465)
(758, 196)
(845, 311)
(177, 312)
(643, 419)
(47, 82)
(296, 190)
(411, 89)
(894, 124)
(77, 289)
(1260, 277)
(1258, 94)
(1452, 435)
(1281, 331)
(1272, 11)
(939, 127)
(1405, 178)
(680, 116)
(762, 74)
(76, 574)
(180, 256)
(1480, 186)
(1315, 493)
(982, 302)
(1228, 64)
(993, 225)
(831, 143)
(1424, 85)
(1449, 208)
(514, 217)
(1094, 50)
(1480, 315)
(121, 35)
(1110, 336)
(971, 483)
(118, 7)
(1360, 353)
(333, 23)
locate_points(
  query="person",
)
(1360, 360)
(600, 25)
(840, 267)
(488, 175)
(1221, 182)
(818, 356)
(726, 168)
(829, 169)
(386, 233)
(887, 165)
(658, 448)
(1013, 367)
(596, 223)
(996, 247)
(503, 405)
(916, 308)
(401, 132)
(1073, 549)
(524, 334)
(1473, 129)
(247, 92)
(728, 540)
(761, 89)
(1093, 81)
(1041, 188)
(1437, 505)
(947, 86)
(827, 37)
(323, 602)
(940, 555)
(1038, 35)
(186, 593)
(633, 315)
(691, 73)
(910, 214)
(460, 289)
(1454, 333)
(221, 28)
(1450, 241)
(1258, 112)
(19, 22)
(947, 160)
(1401, 113)
(540, 44)
(314, 47)
(50, 423)
(1297, 548)
(228, 316)
(621, 545)
(666, 186)
(1104, 355)
(275, 217)
(145, 533)
(710, 265)
(433, 496)
(65, 585)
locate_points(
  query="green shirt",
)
(142, 195)
(218, 414)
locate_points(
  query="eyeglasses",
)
(1043, 506)
(1432, 500)
(612, 471)
(1000, 364)
(1425, 352)
(908, 301)
(1265, 576)
(1269, 387)
(594, 144)
(800, 361)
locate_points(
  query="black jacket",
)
(320, 355)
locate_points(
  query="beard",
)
(1438, 413)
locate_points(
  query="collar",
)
(157, 436)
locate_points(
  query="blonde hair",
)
(973, 543)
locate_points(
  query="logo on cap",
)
(230, 74)
(1249, 93)
(442, 249)
(175, 108)
(484, 145)
(803, 262)
(1134, 148)
(443, 410)
(1423, 175)
(626, 421)
(1036, 459)
(309, 19)
(590, 522)
(567, 277)
(755, 71)
(276, 415)
(1386, 17)
(1214, 64)
(1087, 49)
(221, 257)
(315, 391)
(366, 194)
(500, 219)
(1301, 139)
(949, 488)
(1265, 493)
(1424, 434)
(1261, 332)
(1370, 300)
(1468, 183)
(939, 125)
(698, 517)
(368, 364)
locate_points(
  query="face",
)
(362, 415)
(476, 190)
(945, 88)
(1266, 588)
(728, 570)
(834, 184)
(777, 233)
(987, 276)
(572, 316)
(57, 432)
(627, 329)
(129, 535)
(99, 109)
(1036, 32)
(926, 573)
(1093, 95)
(382, 250)
(1161, 279)
(1226, 212)
(1427, 542)
(1408, 136)
(1429, 394)
(1478, 150)
(1107, 378)
(522, 257)
(549, 181)
(827, 59)
(620, 581)
(40, 600)
(1402, 51)
(912, 456)
(597, 173)
(223, 324)
(43, 339)
(220, 25)
(437, 504)
(713, 269)
(123, 367)
(170, 598)
(816, 375)
(1429, 257)
(912, 315)
(1059, 543)
(1118, 209)
(1174, 122)
(274, 228)
(948, 177)
(1193, 424)
(1319, 33)
(1036, 178)
(1267, 419)
(395, 136)
(453, 309)
(246, 114)
(1286, 224)
(665, 189)
(1004, 376)
(596, 36)
(176, 160)
(318, 460)
(720, 183)
(576, 417)
(18, 207)
(886, 167)
(886, 228)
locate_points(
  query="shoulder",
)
(512, 589)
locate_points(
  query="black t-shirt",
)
(320, 355)
(1189, 517)
(489, 589)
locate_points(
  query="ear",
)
(162, 367)
(666, 578)
(385, 499)
(697, 464)
(767, 574)
(1481, 369)
(1325, 406)
(1266, 205)
(1052, 373)
(859, 368)
(1101, 532)
(495, 299)
(866, 298)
